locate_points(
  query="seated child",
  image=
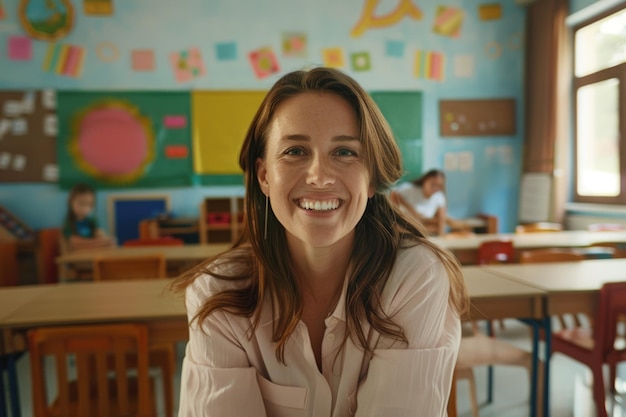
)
(80, 229)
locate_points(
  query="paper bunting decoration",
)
(294, 45)
(448, 21)
(333, 58)
(65, 60)
(226, 51)
(20, 48)
(264, 62)
(361, 61)
(429, 65)
(187, 65)
(142, 59)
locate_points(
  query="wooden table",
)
(183, 257)
(466, 248)
(571, 287)
(145, 301)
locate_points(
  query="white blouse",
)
(425, 206)
(228, 373)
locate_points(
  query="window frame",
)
(619, 72)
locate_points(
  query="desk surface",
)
(565, 276)
(171, 253)
(567, 238)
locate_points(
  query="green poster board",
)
(403, 111)
(124, 139)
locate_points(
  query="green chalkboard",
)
(403, 111)
(124, 139)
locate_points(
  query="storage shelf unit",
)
(220, 219)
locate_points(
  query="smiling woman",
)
(333, 302)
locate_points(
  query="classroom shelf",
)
(220, 219)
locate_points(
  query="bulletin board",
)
(28, 129)
(489, 117)
(221, 120)
(403, 111)
(124, 139)
(126, 212)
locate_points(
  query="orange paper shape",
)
(176, 151)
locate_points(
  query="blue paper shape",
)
(226, 51)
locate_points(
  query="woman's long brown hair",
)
(264, 262)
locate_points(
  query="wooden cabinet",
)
(220, 219)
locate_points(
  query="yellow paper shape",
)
(220, 122)
(490, 11)
(369, 20)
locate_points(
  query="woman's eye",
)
(294, 151)
(345, 152)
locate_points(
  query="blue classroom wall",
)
(486, 60)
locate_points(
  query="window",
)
(600, 109)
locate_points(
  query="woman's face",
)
(431, 185)
(82, 205)
(314, 171)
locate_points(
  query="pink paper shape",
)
(264, 62)
(143, 60)
(187, 65)
(20, 48)
(113, 142)
(175, 122)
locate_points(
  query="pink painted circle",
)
(113, 141)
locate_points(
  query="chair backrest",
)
(129, 267)
(49, 247)
(495, 252)
(611, 309)
(98, 352)
(157, 241)
(619, 248)
(549, 255)
(538, 227)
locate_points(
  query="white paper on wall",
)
(19, 162)
(535, 192)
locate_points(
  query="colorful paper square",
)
(2, 12)
(65, 59)
(20, 48)
(143, 60)
(448, 21)
(464, 66)
(98, 7)
(175, 121)
(294, 44)
(394, 49)
(187, 65)
(490, 11)
(333, 57)
(176, 151)
(429, 65)
(226, 51)
(361, 61)
(264, 62)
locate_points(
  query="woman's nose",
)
(320, 172)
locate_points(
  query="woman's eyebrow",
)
(306, 138)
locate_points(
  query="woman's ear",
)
(261, 175)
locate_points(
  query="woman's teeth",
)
(319, 205)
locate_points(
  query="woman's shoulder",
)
(223, 273)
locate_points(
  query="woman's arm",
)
(217, 379)
(414, 379)
(441, 216)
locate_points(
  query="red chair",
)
(598, 348)
(157, 241)
(495, 252)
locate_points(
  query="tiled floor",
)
(570, 394)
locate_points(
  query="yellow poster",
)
(220, 123)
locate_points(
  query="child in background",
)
(80, 228)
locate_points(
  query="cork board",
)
(28, 132)
(488, 117)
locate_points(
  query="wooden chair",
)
(93, 392)
(129, 267)
(48, 248)
(482, 350)
(495, 252)
(538, 227)
(162, 356)
(9, 268)
(604, 346)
